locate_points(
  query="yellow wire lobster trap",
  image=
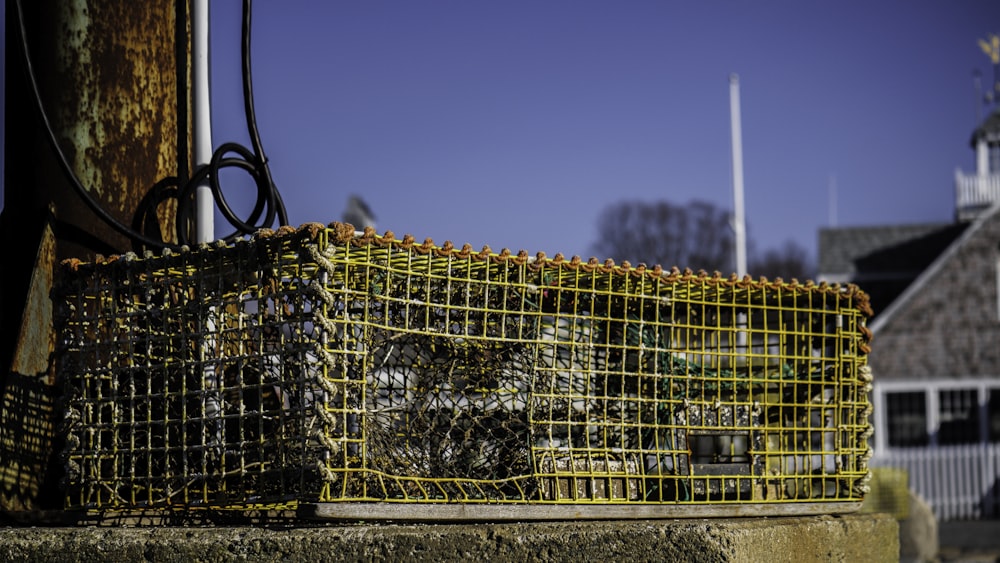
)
(323, 366)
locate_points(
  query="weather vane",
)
(991, 46)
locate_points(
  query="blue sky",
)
(515, 123)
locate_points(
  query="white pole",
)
(204, 213)
(739, 220)
(832, 220)
(204, 226)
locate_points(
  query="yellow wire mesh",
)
(319, 366)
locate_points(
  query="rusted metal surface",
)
(113, 78)
(117, 110)
(114, 81)
(36, 340)
(28, 416)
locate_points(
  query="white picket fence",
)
(959, 482)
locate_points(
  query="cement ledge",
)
(853, 537)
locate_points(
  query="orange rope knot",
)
(73, 264)
(426, 247)
(445, 250)
(310, 231)
(344, 232)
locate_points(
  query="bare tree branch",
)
(788, 262)
(697, 236)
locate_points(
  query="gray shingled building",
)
(935, 290)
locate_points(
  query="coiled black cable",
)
(252, 161)
(268, 206)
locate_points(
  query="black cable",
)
(253, 162)
(274, 203)
(269, 203)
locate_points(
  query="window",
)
(906, 413)
(958, 416)
(938, 413)
(993, 415)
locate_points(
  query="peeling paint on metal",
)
(117, 111)
(36, 340)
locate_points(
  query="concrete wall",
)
(855, 537)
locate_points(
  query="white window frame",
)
(931, 389)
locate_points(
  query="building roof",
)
(989, 128)
(883, 260)
(841, 248)
(947, 322)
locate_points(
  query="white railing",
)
(973, 191)
(959, 482)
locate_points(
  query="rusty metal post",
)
(114, 80)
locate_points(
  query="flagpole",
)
(739, 220)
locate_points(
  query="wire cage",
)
(323, 366)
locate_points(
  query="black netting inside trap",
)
(197, 382)
(448, 376)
